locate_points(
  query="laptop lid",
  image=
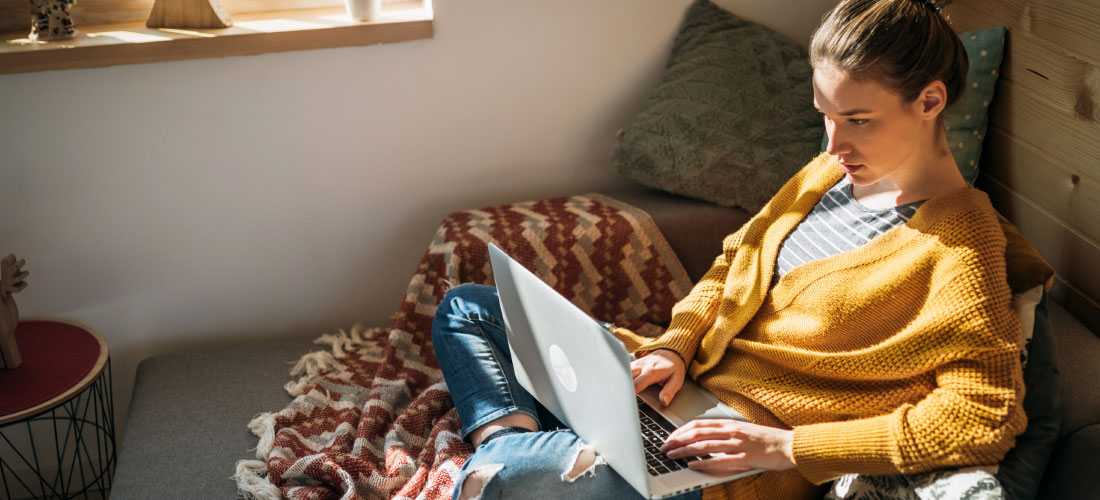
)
(581, 373)
(573, 366)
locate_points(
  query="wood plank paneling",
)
(1056, 188)
(1075, 257)
(1071, 25)
(1066, 82)
(1067, 139)
(1052, 73)
(1041, 161)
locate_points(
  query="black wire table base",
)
(82, 432)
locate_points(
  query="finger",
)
(724, 460)
(701, 434)
(672, 386)
(687, 435)
(724, 466)
(699, 424)
(702, 448)
(646, 379)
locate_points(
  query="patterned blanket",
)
(372, 417)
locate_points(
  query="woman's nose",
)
(837, 144)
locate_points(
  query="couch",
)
(187, 423)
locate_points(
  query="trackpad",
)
(692, 402)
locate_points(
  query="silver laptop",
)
(581, 373)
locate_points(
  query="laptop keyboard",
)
(655, 429)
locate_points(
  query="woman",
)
(861, 321)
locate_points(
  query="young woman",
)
(861, 321)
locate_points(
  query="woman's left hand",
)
(738, 446)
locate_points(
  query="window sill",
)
(255, 33)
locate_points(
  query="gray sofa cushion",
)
(1072, 473)
(1079, 369)
(188, 421)
(1073, 470)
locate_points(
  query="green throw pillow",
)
(966, 120)
(732, 117)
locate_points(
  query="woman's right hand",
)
(663, 366)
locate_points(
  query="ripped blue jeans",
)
(472, 348)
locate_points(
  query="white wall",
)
(207, 202)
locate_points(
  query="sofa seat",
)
(189, 412)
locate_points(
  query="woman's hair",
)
(902, 44)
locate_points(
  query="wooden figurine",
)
(50, 20)
(11, 281)
(188, 14)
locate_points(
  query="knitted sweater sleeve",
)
(971, 417)
(693, 315)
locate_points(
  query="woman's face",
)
(873, 132)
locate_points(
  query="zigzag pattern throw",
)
(373, 418)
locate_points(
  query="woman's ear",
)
(933, 99)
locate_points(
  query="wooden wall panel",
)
(1066, 82)
(1053, 74)
(1042, 180)
(1071, 25)
(1060, 134)
(1041, 161)
(1075, 257)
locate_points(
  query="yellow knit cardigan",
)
(897, 357)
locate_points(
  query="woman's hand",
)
(663, 366)
(738, 446)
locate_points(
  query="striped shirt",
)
(838, 223)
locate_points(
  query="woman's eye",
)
(858, 121)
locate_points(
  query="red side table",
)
(57, 432)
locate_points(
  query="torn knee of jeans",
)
(474, 482)
(584, 463)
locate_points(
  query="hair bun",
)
(935, 5)
(902, 44)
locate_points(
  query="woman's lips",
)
(849, 168)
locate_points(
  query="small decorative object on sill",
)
(50, 20)
(363, 10)
(11, 281)
(188, 14)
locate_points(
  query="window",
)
(113, 32)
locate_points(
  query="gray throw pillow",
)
(732, 117)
